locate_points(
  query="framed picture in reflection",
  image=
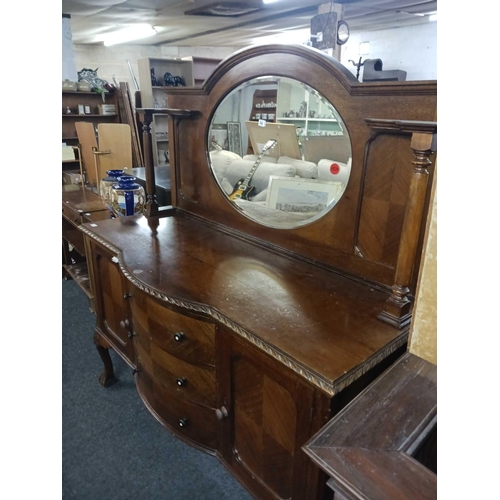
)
(296, 195)
(234, 137)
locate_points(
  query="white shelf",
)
(291, 99)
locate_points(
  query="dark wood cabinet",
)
(383, 445)
(208, 381)
(246, 339)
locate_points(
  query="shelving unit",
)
(310, 113)
(73, 165)
(155, 96)
(71, 100)
(203, 67)
(263, 105)
(194, 71)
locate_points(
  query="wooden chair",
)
(114, 150)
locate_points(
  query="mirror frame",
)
(342, 239)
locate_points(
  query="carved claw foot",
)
(106, 380)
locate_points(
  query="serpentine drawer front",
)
(176, 368)
(185, 380)
(195, 422)
(181, 336)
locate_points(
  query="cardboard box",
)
(106, 109)
(68, 153)
(71, 178)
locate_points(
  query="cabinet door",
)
(113, 318)
(266, 415)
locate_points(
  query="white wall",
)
(68, 54)
(412, 49)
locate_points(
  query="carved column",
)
(146, 117)
(398, 307)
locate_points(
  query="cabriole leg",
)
(107, 377)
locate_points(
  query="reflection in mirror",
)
(279, 151)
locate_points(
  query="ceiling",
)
(231, 22)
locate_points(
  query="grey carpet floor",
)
(112, 447)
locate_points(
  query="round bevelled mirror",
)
(279, 151)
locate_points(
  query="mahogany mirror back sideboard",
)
(281, 281)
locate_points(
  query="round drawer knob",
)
(183, 422)
(179, 336)
(181, 381)
(125, 323)
(221, 413)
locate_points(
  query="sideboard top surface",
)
(323, 324)
(82, 200)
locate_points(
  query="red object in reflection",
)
(334, 168)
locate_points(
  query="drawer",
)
(186, 338)
(70, 215)
(195, 422)
(185, 380)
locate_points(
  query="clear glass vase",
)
(105, 186)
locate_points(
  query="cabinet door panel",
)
(111, 307)
(265, 421)
(269, 418)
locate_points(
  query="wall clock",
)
(342, 32)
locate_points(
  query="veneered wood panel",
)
(112, 291)
(385, 191)
(269, 419)
(265, 426)
(113, 318)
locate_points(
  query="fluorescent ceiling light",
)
(269, 1)
(133, 32)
